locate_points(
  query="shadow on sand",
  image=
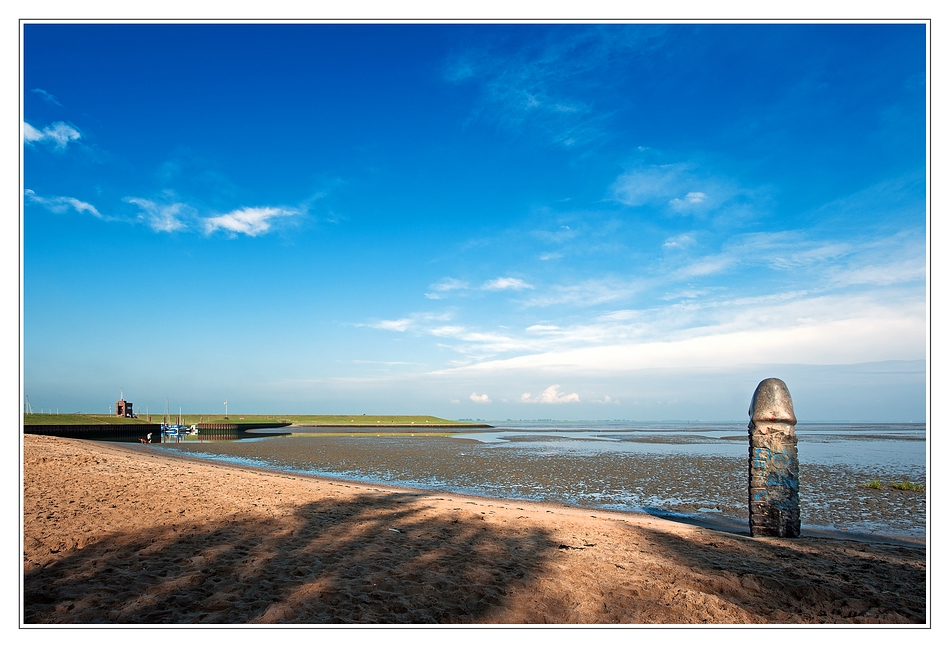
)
(805, 580)
(392, 559)
(339, 563)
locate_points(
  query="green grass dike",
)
(83, 419)
(320, 420)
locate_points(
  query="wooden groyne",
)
(129, 433)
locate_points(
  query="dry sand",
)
(121, 534)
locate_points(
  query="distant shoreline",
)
(311, 420)
(390, 425)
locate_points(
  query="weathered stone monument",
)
(773, 462)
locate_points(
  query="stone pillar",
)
(773, 462)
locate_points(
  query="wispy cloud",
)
(506, 283)
(58, 135)
(162, 217)
(585, 293)
(692, 200)
(832, 329)
(62, 204)
(552, 396)
(708, 265)
(399, 325)
(883, 260)
(443, 288)
(559, 235)
(47, 97)
(251, 221)
(679, 242)
(447, 285)
(546, 86)
(478, 344)
(688, 189)
(650, 184)
(417, 323)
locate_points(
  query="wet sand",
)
(669, 478)
(120, 534)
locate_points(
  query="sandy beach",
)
(121, 534)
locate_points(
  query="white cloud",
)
(251, 221)
(161, 218)
(866, 283)
(795, 327)
(62, 204)
(449, 284)
(446, 285)
(551, 396)
(827, 331)
(506, 283)
(501, 283)
(683, 189)
(679, 242)
(475, 398)
(58, 134)
(692, 200)
(455, 401)
(608, 401)
(392, 325)
(707, 265)
(479, 344)
(696, 197)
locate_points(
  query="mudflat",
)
(123, 534)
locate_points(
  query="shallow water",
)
(694, 470)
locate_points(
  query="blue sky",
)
(476, 220)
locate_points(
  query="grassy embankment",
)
(348, 420)
(81, 419)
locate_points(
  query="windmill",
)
(225, 409)
(29, 410)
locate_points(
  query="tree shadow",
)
(801, 580)
(374, 559)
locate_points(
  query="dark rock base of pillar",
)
(767, 519)
(774, 508)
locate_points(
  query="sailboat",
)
(177, 429)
